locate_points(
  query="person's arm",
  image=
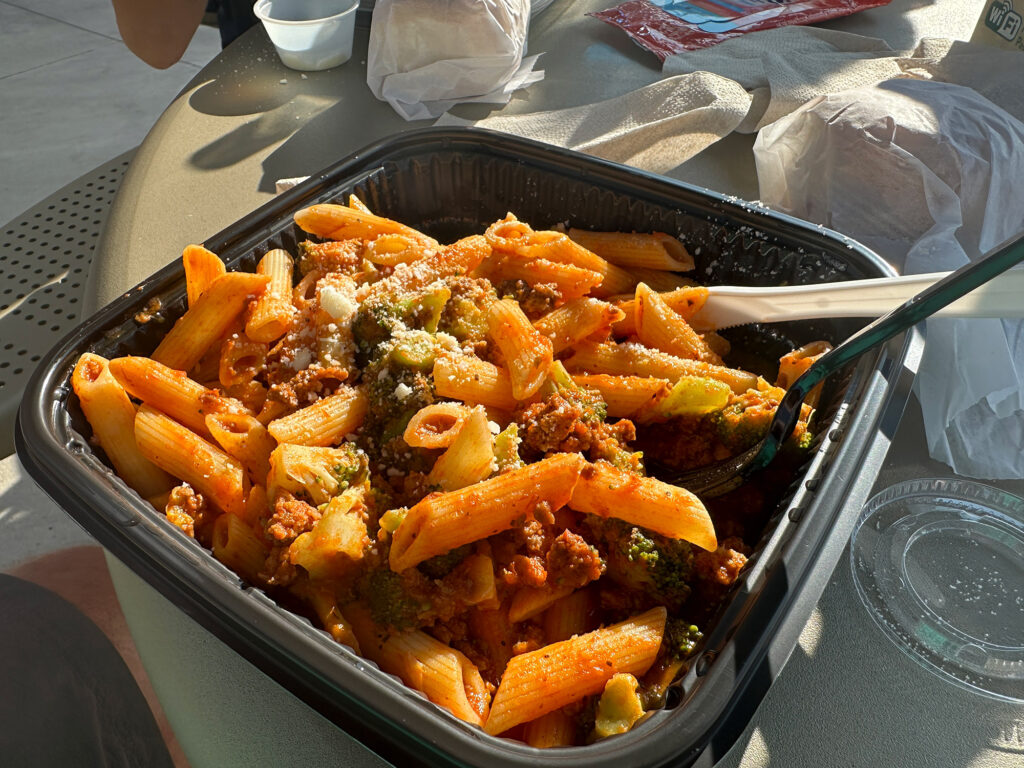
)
(158, 31)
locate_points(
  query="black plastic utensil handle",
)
(914, 310)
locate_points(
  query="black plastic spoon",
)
(723, 476)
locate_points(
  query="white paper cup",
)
(309, 35)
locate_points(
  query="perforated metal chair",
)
(45, 255)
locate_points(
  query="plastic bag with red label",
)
(665, 27)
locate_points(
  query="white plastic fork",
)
(729, 305)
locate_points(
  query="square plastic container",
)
(450, 183)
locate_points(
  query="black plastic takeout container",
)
(450, 183)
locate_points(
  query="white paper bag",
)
(425, 56)
(931, 176)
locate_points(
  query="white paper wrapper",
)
(425, 56)
(931, 176)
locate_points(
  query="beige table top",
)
(847, 696)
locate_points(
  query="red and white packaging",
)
(665, 27)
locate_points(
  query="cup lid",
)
(939, 564)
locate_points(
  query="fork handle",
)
(735, 305)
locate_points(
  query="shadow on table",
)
(68, 697)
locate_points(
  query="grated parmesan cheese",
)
(402, 391)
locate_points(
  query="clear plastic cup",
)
(309, 35)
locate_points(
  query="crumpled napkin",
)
(654, 128)
(785, 68)
(930, 175)
(426, 56)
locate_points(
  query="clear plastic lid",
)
(939, 564)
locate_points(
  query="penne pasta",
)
(569, 616)
(325, 422)
(112, 416)
(243, 436)
(181, 452)
(202, 267)
(339, 222)
(208, 319)
(171, 392)
(237, 545)
(557, 247)
(685, 302)
(654, 250)
(576, 320)
(475, 381)
(470, 457)
(571, 281)
(659, 327)
(667, 509)
(527, 352)
(436, 425)
(555, 729)
(635, 359)
(532, 601)
(559, 674)
(444, 521)
(270, 314)
(624, 395)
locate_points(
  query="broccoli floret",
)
(465, 314)
(317, 473)
(391, 604)
(681, 638)
(388, 310)
(646, 561)
(440, 566)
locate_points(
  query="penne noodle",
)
(331, 617)
(436, 425)
(685, 302)
(555, 729)
(667, 509)
(443, 521)
(239, 547)
(181, 452)
(444, 675)
(559, 674)
(527, 352)
(474, 381)
(557, 247)
(660, 327)
(339, 222)
(635, 359)
(202, 267)
(532, 601)
(111, 415)
(358, 205)
(470, 457)
(270, 314)
(575, 321)
(325, 422)
(208, 320)
(658, 280)
(569, 616)
(243, 436)
(648, 251)
(392, 249)
(624, 395)
(505, 234)
(171, 392)
(241, 359)
(571, 281)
